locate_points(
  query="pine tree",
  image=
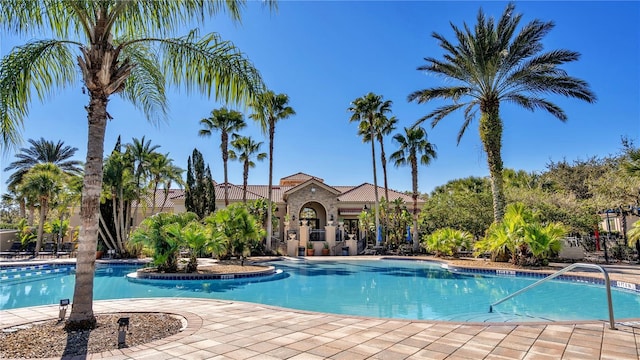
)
(200, 197)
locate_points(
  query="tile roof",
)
(297, 179)
(148, 198)
(366, 193)
(363, 193)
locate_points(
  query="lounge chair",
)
(48, 249)
(15, 249)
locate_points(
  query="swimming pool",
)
(377, 288)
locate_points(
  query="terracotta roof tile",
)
(297, 179)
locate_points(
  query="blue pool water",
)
(378, 288)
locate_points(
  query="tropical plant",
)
(247, 150)
(158, 232)
(126, 48)
(236, 229)
(270, 108)
(43, 182)
(544, 241)
(522, 237)
(367, 110)
(227, 122)
(447, 241)
(65, 201)
(492, 64)
(414, 148)
(398, 221)
(193, 236)
(633, 235)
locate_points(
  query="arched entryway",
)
(315, 214)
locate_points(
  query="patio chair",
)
(48, 249)
(16, 246)
(67, 249)
(30, 249)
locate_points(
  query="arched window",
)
(308, 213)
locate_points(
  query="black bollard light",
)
(63, 309)
(123, 326)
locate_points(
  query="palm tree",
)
(40, 152)
(43, 182)
(141, 153)
(493, 64)
(414, 147)
(367, 110)
(227, 122)
(269, 109)
(162, 171)
(383, 126)
(247, 149)
(121, 47)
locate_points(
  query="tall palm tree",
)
(141, 153)
(227, 122)
(41, 152)
(121, 47)
(414, 148)
(43, 182)
(492, 64)
(269, 109)
(383, 126)
(247, 150)
(162, 171)
(367, 110)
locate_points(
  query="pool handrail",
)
(607, 283)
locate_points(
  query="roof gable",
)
(297, 179)
(312, 181)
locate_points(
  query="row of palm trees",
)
(44, 177)
(269, 108)
(491, 63)
(130, 49)
(414, 148)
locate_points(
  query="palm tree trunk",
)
(491, 136)
(117, 215)
(155, 189)
(108, 238)
(272, 131)
(43, 209)
(23, 209)
(414, 196)
(375, 181)
(166, 196)
(32, 214)
(383, 158)
(245, 181)
(82, 310)
(225, 159)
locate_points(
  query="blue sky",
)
(325, 54)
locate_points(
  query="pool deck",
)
(220, 329)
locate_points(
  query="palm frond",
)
(532, 103)
(211, 65)
(145, 86)
(41, 66)
(162, 18)
(453, 93)
(443, 111)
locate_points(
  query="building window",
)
(308, 213)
